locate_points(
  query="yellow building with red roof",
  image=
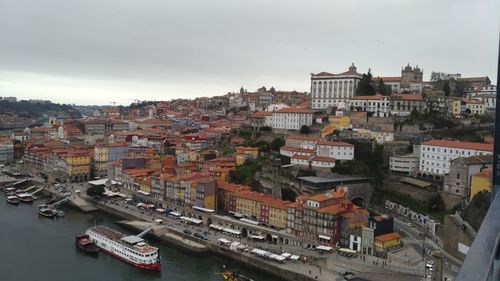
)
(244, 153)
(481, 181)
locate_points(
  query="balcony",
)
(482, 262)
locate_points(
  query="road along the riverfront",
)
(324, 267)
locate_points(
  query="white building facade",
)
(313, 151)
(404, 164)
(333, 90)
(436, 155)
(6, 151)
(378, 105)
(291, 118)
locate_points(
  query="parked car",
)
(201, 236)
(187, 231)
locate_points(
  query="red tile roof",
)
(265, 199)
(324, 159)
(294, 110)
(304, 138)
(224, 185)
(324, 74)
(388, 237)
(374, 97)
(325, 196)
(388, 78)
(334, 143)
(460, 144)
(302, 157)
(262, 114)
(410, 97)
(297, 149)
(333, 209)
(485, 173)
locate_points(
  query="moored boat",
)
(47, 211)
(130, 249)
(12, 199)
(229, 275)
(86, 245)
(25, 197)
(9, 190)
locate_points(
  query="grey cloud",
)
(231, 43)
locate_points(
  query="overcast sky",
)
(98, 52)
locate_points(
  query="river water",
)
(34, 248)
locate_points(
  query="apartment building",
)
(458, 180)
(436, 155)
(377, 105)
(404, 104)
(291, 119)
(314, 151)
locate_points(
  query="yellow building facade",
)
(387, 241)
(78, 166)
(248, 207)
(100, 159)
(481, 181)
(335, 122)
(277, 217)
(455, 106)
(244, 153)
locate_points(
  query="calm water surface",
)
(41, 249)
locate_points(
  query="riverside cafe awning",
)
(323, 237)
(347, 251)
(256, 237)
(324, 248)
(222, 241)
(191, 220)
(216, 227)
(98, 182)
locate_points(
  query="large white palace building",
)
(333, 90)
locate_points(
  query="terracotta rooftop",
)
(388, 78)
(374, 97)
(479, 159)
(324, 159)
(333, 209)
(326, 196)
(266, 199)
(460, 144)
(224, 185)
(409, 97)
(262, 114)
(334, 143)
(485, 173)
(294, 110)
(297, 149)
(388, 236)
(305, 138)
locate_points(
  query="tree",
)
(365, 86)
(306, 173)
(95, 190)
(305, 130)
(446, 88)
(436, 203)
(266, 129)
(383, 89)
(277, 143)
(189, 131)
